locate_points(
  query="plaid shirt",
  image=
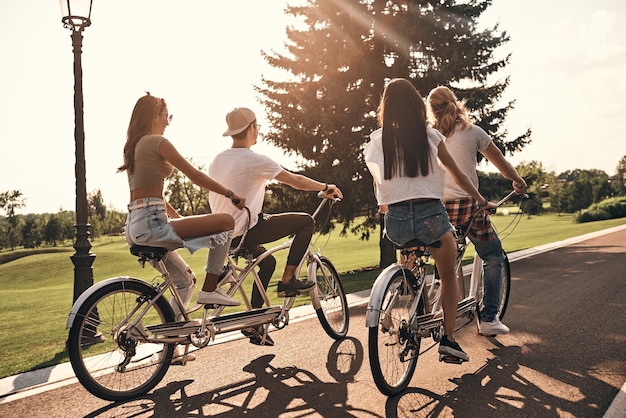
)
(460, 212)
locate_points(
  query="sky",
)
(567, 72)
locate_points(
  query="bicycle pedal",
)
(446, 358)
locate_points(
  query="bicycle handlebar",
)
(505, 199)
(508, 196)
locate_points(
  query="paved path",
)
(559, 360)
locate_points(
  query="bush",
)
(607, 209)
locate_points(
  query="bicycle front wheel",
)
(109, 356)
(333, 311)
(393, 348)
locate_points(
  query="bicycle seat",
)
(418, 243)
(145, 252)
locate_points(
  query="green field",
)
(36, 290)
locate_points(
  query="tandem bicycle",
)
(405, 306)
(139, 332)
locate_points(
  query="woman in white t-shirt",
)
(464, 141)
(403, 157)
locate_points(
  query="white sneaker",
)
(216, 297)
(494, 327)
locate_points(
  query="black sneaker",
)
(449, 348)
(255, 334)
(295, 287)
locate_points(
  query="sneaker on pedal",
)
(216, 297)
(494, 327)
(294, 287)
(255, 334)
(449, 348)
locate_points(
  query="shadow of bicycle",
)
(269, 392)
(503, 387)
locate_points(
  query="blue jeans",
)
(493, 260)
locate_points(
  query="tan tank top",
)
(150, 167)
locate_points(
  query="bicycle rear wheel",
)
(393, 348)
(121, 366)
(333, 311)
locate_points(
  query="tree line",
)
(568, 192)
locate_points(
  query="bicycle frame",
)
(236, 275)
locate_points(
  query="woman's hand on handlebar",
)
(333, 192)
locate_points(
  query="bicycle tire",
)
(333, 312)
(505, 289)
(107, 312)
(392, 371)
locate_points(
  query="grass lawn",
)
(36, 290)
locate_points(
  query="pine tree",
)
(339, 57)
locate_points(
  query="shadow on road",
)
(271, 391)
(511, 384)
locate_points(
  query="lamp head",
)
(76, 14)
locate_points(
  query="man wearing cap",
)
(239, 168)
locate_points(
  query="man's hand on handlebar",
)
(333, 192)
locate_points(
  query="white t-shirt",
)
(246, 173)
(463, 145)
(399, 189)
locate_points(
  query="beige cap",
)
(238, 120)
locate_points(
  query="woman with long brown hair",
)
(149, 158)
(403, 157)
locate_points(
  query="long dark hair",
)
(402, 115)
(140, 124)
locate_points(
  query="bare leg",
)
(445, 259)
(210, 282)
(202, 225)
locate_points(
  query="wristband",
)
(325, 187)
(229, 194)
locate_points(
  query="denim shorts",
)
(425, 222)
(151, 226)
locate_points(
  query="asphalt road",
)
(565, 357)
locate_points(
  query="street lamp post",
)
(76, 17)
